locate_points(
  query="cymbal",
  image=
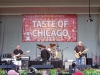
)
(52, 45)
(40, 45)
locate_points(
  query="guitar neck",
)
(85, 50)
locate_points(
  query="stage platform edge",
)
(43, 66)
(81, 66)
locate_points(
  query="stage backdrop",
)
(48, 28)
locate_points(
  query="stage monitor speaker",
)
(63, 74)
(81, 66)
(43, 66)
(6, 66)
(89, 61)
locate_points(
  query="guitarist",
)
(79, 48)
(17, 55)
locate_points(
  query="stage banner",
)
(49, 28)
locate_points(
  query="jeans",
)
(79, 61)
(44, 61)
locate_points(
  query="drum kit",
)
(54, 50)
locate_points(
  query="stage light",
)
(90, 19)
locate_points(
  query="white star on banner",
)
(28, 38)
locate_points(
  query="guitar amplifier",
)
(25, 58)
(25, 62)
(84, 60)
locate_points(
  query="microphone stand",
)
(99, 60)
(36, 48)
(62, 55)
(96, 59)
(12, 57)
(92, 58)
(9, 62)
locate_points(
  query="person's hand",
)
(24, 53)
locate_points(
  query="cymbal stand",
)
(62, 55)
(36, 48)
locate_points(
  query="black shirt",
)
(45, 54)
(79, 48)
(17, 52)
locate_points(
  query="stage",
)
(56, 63)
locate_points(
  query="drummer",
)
(51, 50)
(51, 46)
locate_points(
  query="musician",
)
(77, 49)
(51, 47)
(17, 56)
(45, 55)
(51, 50)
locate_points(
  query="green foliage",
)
(23, 72)
(91, 72)
(65, 72)
(2, 72)
(39, 71)
(53, 72)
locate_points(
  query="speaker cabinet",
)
(89, 61)
(25, 64)
(67, 64)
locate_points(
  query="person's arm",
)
(14, 53)
(48, 55)
(75, 50)
(84, 50)
(41, 54)
(22, 52)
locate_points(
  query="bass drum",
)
(57, 55)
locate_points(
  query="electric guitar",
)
(18, 56)
(80, 54)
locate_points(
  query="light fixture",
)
(90, 19)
